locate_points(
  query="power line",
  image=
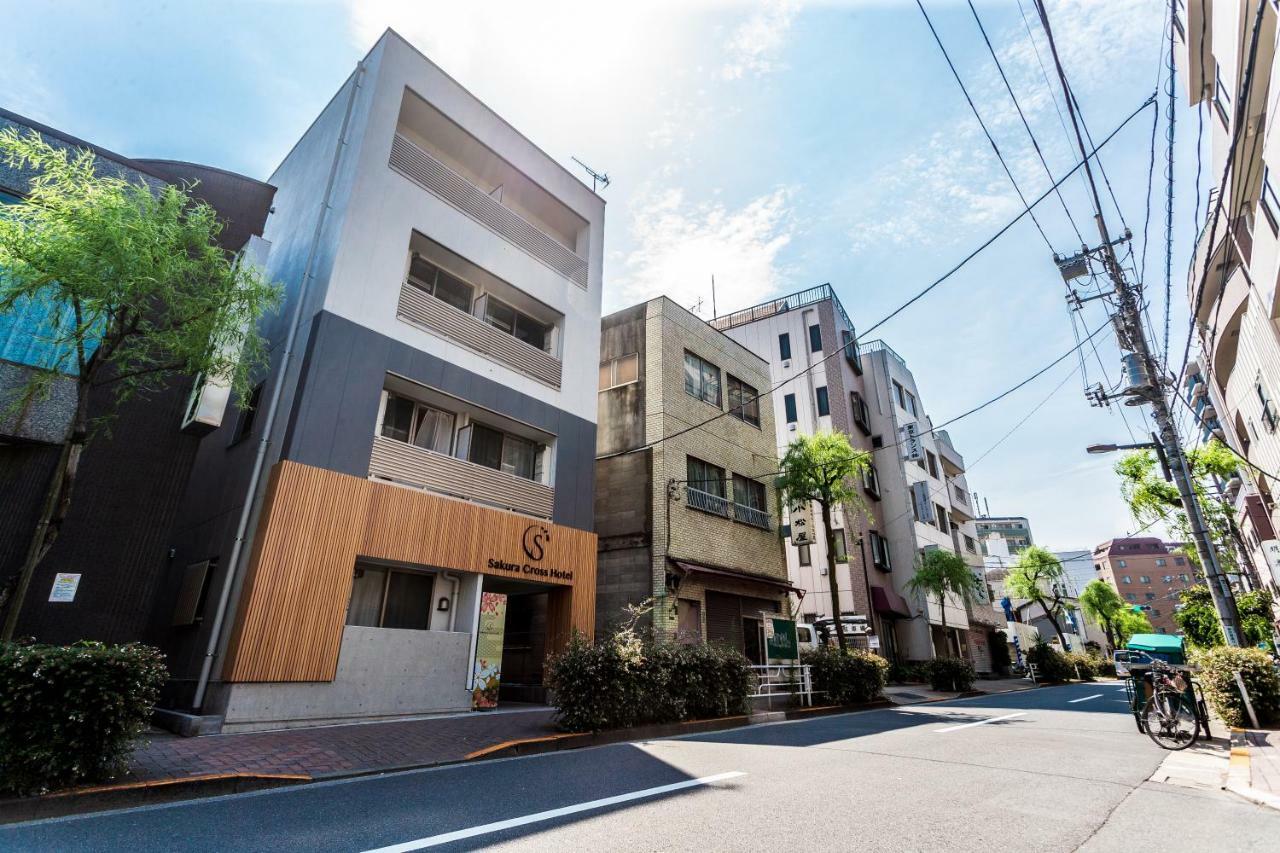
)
(983, 124)
(905, 305)
(1034, 142)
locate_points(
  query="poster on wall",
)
(64, 589)
(493, 619)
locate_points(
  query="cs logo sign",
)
(535, 539)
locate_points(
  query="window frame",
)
(804, 553)
(748, 399)
(861, 412)
(784, 346)
(822, 401)
(1221, 100)
(1269, 201)
(430, 287)
(815, 337)
(613, 364)
(704, 367)
(384, 596)
(880, 552)
(789, 410)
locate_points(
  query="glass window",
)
(842, 546)
(815, 338)
(900, 393)
(743, 401)
(701, 379)
(705, 477)
(789, 404)
(486, 446)
(620, 371)
(389, 598)
(941, 514)
(1159, 562)
(500, 315)
(1270, 202)
(805, 554)
(448, 289)
(1121, 563)
(1144, 578)
(518, 456)
(1182, 578)
(1131, 596)
(532, 332)
(397, 418)
(1151, 596)
(911, 403)
(1127, 579)
(784, 346)
(434, 430)
(824, 405)
(933, 463)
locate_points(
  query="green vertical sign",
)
(780, 638)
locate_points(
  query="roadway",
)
(1054, 769)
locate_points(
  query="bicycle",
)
(1170, 717)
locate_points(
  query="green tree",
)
(138, 293)
(1198, 618)
(825, 468)
(940, 572)
(1131, 621)
(1255, 617)
(1038, 576)
(1103, 605)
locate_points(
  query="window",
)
(1167, 579)
(749, 504)
(824, 405)
(622, 370)
(390, 598)
(1150, 596)
(1270, 202)
(1155, 612)
(880, 552)
(789, 405)
(516, 323)
(417, 424)
(851, 353)
(842, 546)
(969, 544)
(871, 481)
(933, 463)
(806, 555)
(1159, 562)
(1179, 561)
(744, 403)
(1182, 578)
(1144, 578)
(1121, 563)
(1127, 579)
(784, 346)
(815, 338)
(501, 451)
(1221, 98)
(861, 415)
(910, 404)
(248, 412)
(701, 379)
(900, 393)
(706, 487)
(1268, 411)
(1131, 596)
(450, 290)
(941, 514)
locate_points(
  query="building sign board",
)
(909, 436)
(1271, 551)
(780, 638)
(64, 589)
(800, 514)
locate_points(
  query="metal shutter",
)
(724, 619)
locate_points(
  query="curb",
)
(1239, 772)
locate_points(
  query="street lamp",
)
(1141, 445)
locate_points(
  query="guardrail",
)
(785, 679)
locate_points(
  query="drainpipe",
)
(455, 582)
(273, 407)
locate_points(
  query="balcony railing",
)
(707, 502)
(751, 515)
(422, 309)
(435, 472)
(429, 173)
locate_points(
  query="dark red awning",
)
(745, 577)
(886, 600)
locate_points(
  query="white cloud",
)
(679, 246)
(754, 47)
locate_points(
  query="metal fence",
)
(790, 681)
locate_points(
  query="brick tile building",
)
(1147, 572)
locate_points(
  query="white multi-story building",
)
(1232, 287)
(909, 505)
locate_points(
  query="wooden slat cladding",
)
(422, 309)
(429, 173)
(405, 463)
(316, 523)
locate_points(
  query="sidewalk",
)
(908, 694)
(340, 750)
(1255, 766)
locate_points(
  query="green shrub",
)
(627, 681)
(1083, 665)
(70, 714)
(1217, 675)
(1051, 663)
(1104, 666)
(908, 672)
(846, 677)
(950, 674)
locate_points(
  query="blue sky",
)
(774, 145)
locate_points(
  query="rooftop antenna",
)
(713, 297)
(599, 180)
(697, 307)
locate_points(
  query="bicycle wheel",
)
(1170, 720)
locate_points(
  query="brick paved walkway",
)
(334, 750)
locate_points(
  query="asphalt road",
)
(1036, 770)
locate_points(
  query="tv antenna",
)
(599, 180)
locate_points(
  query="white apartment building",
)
(1235, 384)
(808, 338)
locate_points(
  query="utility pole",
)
(1132, 336)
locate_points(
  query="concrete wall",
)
(381, 672)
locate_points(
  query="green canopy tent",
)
(1166, 647)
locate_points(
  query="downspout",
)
(273, 407)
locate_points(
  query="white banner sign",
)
(800, 514)
(909, 435)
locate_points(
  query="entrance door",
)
(753, 640)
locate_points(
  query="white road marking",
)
(981, 722)
(550, 814)
(1085, 698)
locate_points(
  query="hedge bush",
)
(627, 681)
(846, 677)
(950, 674)
(1086, 666)
(1051, 663)
(1217, 675)
(70, 714)
(910, 671)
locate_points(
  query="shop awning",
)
(887, 601)
(689, 567)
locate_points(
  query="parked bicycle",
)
(1171, 717)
